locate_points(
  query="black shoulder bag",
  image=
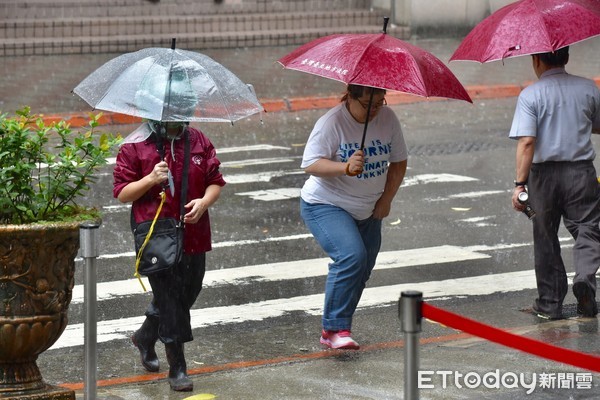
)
(159, 243)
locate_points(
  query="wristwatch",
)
(520, 183)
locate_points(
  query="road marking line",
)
(272, 194)
(254, 147)
(266, 176)
(435, 178)
(223, 244)
(289, 270)
(227, 150)
(379, 296)
(258, 161)
(290, 193)
(469, 195)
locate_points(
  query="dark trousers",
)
(569, 190)
(174, 293)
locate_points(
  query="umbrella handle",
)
(362, 143)
(385, 23)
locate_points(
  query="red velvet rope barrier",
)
(525, 344)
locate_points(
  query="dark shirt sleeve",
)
(213, 176)
(126, 168)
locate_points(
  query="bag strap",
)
(184, 179)
(138, 258)
(160, 147)
(163, 195)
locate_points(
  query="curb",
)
(477, 92)
(146, 377)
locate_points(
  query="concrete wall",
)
(440, 14)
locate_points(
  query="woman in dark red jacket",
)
(139, 176)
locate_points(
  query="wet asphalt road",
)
(456, 194)
(446, 139)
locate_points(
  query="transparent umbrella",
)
(169, 85)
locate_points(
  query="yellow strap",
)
(163, 196)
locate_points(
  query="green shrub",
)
(44, 169)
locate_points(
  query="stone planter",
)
(37, 265)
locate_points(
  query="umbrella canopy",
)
(530, 27)
(379, 61)
(164, 84)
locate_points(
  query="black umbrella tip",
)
(386, 20)
(173, 43)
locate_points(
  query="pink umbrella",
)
(530, 27)
(376, 60)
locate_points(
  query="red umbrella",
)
(376, 60)
(530, 27)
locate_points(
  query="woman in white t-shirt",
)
(349, 191)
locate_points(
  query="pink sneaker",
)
(338, 340)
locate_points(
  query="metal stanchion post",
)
(89, 251)
(409, 311)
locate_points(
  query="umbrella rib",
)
(364, 51)
(525, 40)
(108, 90)
(510, 11)
(313, 73)
(421, 67)
(543, 21)
(168, 87)
(168, 93)
(223, 102)
(146, 84)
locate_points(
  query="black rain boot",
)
(178, 378)
(144, 339)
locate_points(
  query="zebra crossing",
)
(310, 304)
(118, 326)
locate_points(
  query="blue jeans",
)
(353, 247)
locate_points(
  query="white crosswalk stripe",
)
(291, 270)
(115, 327)
(312, 304)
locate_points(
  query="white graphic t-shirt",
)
(336, 136)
